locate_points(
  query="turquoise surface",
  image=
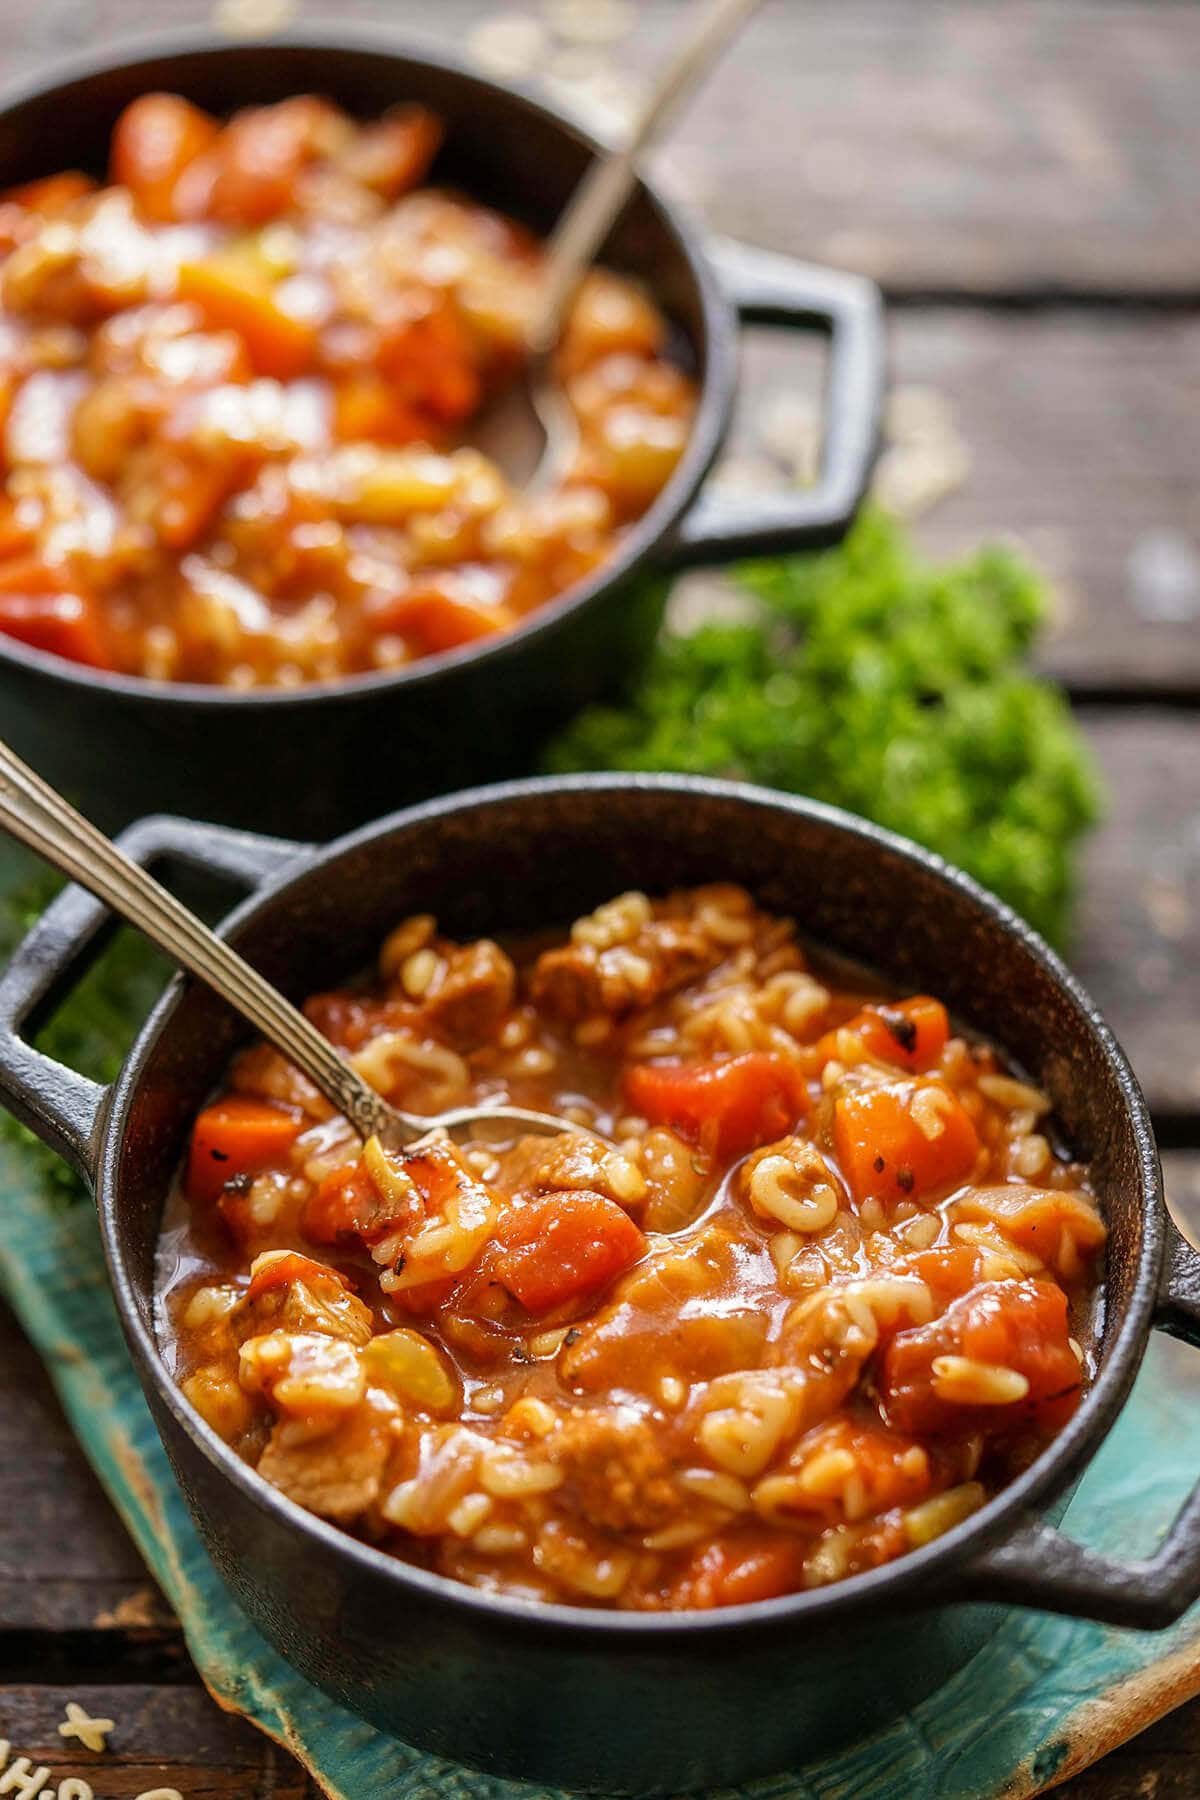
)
(1045, 1696)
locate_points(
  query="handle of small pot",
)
(1042, 1568)
(769, 289)
(66, 1109)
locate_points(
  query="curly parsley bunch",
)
(875, 680)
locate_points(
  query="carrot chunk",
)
(64, 623)
(234, 295)
(565, 1246)
(728, 1107)
(156, 138)
(237, 1136)
(912, 1033)
(903, 1138)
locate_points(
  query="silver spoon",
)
(31, 811)
(529, 430)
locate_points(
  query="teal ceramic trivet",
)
(1045, 1697)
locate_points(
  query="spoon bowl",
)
(529, 430)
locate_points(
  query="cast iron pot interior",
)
(582, 1698)
(331, 755)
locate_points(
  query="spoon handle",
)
(604, 190)
(32, 811)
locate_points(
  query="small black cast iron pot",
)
(328, 756)
(583, 1698)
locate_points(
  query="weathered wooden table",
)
(1022, 179)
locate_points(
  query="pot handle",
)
(66, 1109)
(1040, 1567)
(770, 289)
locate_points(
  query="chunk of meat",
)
(470, 992)
(338, 1475)
(575, 1161)
(293, 1293)
(686, 1312)
(459, 1218)
(583, 979)
(1061, 1228)
(304, 1375)
(999, 1357)
(615, 1474)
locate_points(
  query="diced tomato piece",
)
(259, 157)
(425, 354)
(15, 536)
(439, 615)
(735, 1570)
(338, 1205)
(66, 624)
(950, 1272)
(426, 1297)
(912, 1033)
(190, 495)
(237, 1136)
(393, 154)
(1019, 1325)
(365, 406)
(887, 1472)
(347, 1204)
(887, 1150)
(156, 138)
(564, 1246)
(52, 195)
(727, 1107)
(277, 1271)
(233, 295)
(30, 575)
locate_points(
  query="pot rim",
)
(718, 346)
(917, 1575)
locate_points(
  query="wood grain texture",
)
(1016, 146)
(164, 1737)
(996, 135)
(1082, 437)
(1014, 150)
(1138, 942)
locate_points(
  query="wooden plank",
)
(1081, 433)
(1082, 428)
(1138, 945)
(66, 1563)
(163, 1737)
(1009, 145)
(1160, 1764)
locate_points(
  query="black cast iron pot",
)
(584, 1698)
(325, 757)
